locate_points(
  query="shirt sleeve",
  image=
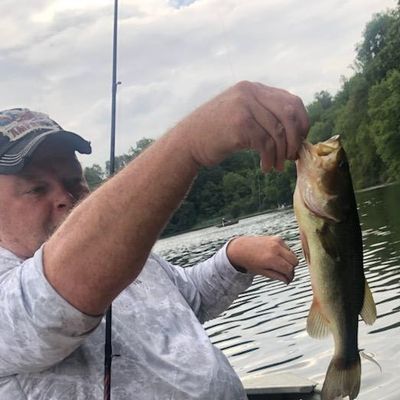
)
(211, 286)
(38, 327)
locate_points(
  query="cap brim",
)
(17, 154)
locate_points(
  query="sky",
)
(173, 55)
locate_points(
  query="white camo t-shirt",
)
(50, 350)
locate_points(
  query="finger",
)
(279, 136)
(291, 113)
(298, 105)
(293, 130)
(270, 273)
(283, 267)
(275, 129)
(279, 240)
(289, 256)
(301, 113)
(267, 155)
(285, 251)
(263, 144)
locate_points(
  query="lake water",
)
(264, 330)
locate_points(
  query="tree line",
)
(365, 112)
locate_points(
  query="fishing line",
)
(227, 51)
(224, 37)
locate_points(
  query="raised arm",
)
(105, 241)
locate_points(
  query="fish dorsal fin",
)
(317, 325)
(368, 312)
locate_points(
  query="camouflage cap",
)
(22, 130)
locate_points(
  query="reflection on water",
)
(264, 330)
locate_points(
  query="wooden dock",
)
(280, 386)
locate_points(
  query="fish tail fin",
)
(342, 379)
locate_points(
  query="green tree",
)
(277, 189)
(241, 160)
(184, 218)
(210, 200)
(122, 160)
(378, 53)
(321, 116)
(352, 123)
(94, 176)
(235, 186)
(207, 193)
(141, 145)
(384, 110)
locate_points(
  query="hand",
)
(263, 255)
(247, 116)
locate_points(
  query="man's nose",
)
(63, 199)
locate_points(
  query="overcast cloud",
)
(55, 57)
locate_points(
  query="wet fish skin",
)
(326, 212)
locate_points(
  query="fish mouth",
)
(316, 174)
(328, 146)
(316, 153)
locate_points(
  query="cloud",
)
(55, 56)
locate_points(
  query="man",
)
(63, 260)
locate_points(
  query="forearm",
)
(218, 283)
(105, 241)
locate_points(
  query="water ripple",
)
(274, 364)
(265, 328)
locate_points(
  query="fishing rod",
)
(108, 355)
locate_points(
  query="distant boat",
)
(227, 222)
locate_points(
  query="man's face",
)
(34, 202)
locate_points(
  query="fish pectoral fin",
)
(317, 325)
(304, 245)
(368, 312)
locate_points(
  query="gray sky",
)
(55, 57)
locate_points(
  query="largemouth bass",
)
(326, 212)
